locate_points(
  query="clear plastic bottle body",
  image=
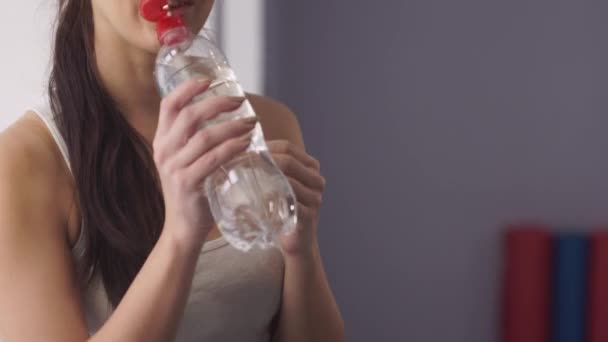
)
(251, 200)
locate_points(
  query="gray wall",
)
(436, 122)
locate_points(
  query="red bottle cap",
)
(153, 10)
(158, 11)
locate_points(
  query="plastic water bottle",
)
(251, 200)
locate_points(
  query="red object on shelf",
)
(527, 284)
(598, 288)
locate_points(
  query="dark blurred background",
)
(437, 122)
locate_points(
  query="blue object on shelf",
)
(570, 286)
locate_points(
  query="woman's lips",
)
(179, 6)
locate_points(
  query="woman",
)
(104, 232)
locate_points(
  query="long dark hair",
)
(116, 183)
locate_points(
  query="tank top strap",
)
(45, 113)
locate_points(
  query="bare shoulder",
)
(34, 246)
(277, 120)
(33, 180)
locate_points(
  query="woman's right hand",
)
(185, 155)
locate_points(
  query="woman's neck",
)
(127, 74)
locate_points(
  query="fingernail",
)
(246, 141)
(247, 137)
(251, 120)
(204, 81)
(237, 99)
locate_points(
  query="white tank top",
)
(234, 295)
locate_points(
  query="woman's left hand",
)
(303, 173)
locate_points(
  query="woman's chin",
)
(150, 42)
(153, 47)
